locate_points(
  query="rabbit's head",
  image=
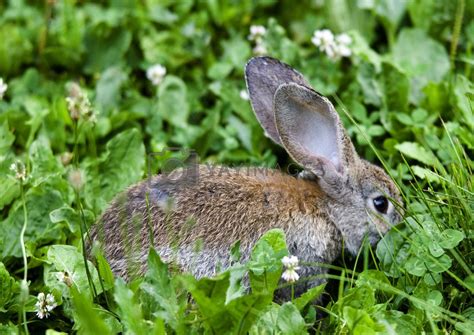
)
(360, 197)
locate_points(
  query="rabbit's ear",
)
(263, 76)
(311, 131)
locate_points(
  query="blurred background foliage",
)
(408, 85)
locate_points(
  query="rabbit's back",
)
(194, 217)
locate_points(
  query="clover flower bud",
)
(156, 74)
(3, 88)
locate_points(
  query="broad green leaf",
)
(361, 49)
(161, 290)
(267, 322)
(405, 119)
(419, 115)
(439, 264)
(450, 238)
(8, 288)
(230, 94)
(464, 94)
(236, 52)
(40, 230)
(428, 295)
(130, 311)
(235, 289)
(426, 174)
(9, 191)
(219, 71)
(435, 249)
(366, 77)
(243, 132)
(359, 322)
(465, 327)
(390, 12)
(105, 50)
(104, 271)
(362, 297)
(88, 318)
(416, 151)
(396, 87)
(9, 329)
(15, 49)
(210, 294)
(421, 12)
(245, 310)
(393, 251)
(372, 278)
(120, 166)
(45, 167)
(278, 44)
(309, 296)
(66, 269)
(108, 88)
(37, 109)
(172, 101)
(342, 16)
(400, 322)
(6, 138)
(290, 320)
(436, 97)
(422, 58)
(469, 281)
(219, 314)
(432, 278)
(161, 14)
(277, 319)
(375, 130)
(265, 261)
(54, 332)
(416, 266)
(68, 215)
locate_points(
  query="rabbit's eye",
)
(381, 204)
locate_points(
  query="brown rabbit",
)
(337, 201)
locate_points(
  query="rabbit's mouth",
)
(377, 228)
(373, 238)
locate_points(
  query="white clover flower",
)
(290, 276)
(18, 168)
(260, 49)
(343, 39)
(335, 47)
(66, 158)
(44, 305)
(76, 179)
(290, 262)
(291, 265)
(244, 95)
(256, 35)
(323, 39)
(78, 103)
(156, 73)
(343, 51)
(257, 32)
(332, 53)
(3, 88)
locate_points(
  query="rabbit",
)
(337, 201)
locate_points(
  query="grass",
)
(404, 94)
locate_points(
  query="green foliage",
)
(406, 90)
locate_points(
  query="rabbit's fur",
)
(326, 208)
